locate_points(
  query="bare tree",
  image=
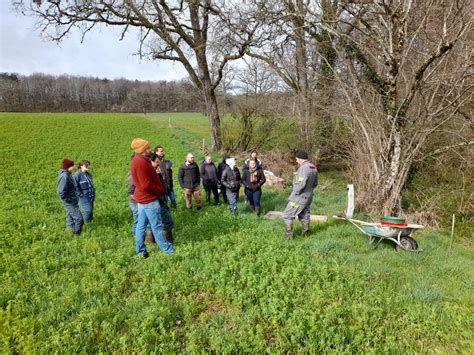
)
(294, 46)
(254, 85)
(406, 72)
(180, 31)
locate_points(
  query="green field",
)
(233, 285)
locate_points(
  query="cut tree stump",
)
(279, 215)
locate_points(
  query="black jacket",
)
(255, 185)
(231, 178)
(209, 174)
(189, 176)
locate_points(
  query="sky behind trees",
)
(24, 50)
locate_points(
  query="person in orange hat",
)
(68, 195)
(148, 191)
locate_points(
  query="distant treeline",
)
(40, 92)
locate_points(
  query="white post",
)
(350, 201)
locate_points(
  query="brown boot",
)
(169, 236)
(149, 236)
(257, 211)
(289, 230)
(304, 228)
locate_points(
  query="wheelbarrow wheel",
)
(407, 243)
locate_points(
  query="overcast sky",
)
(102, 54)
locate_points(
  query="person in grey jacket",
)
(68, 195)
(299, 202)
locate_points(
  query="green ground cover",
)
(233, 284)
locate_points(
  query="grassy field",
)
(233, 285)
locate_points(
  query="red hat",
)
(67, 164)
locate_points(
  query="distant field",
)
(233, 285)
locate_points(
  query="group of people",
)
(223, 179)
(150, 187)
(77, 193)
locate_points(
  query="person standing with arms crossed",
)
(299, 202)
(148, 190)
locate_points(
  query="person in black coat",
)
(231, 180)
(253, 179)
(220, 169)
(209, 179)
(190, 179)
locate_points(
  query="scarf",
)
(253, 175)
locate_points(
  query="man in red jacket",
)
(148, 190)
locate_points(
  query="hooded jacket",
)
(67, 187)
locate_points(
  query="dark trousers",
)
(208, 188)
(253, 197)
(87, 207)
(74, 220)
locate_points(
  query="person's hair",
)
(84, 163)
(253, 151)
(153, 156)
(158, 147)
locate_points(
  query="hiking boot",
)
(304, 228)
(149, 236)
(289, 230)
(169, 236)
(257, 211)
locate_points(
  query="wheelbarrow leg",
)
(377, 244)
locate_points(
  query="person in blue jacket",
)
(68, 195)
(85, 190)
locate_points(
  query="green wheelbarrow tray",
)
(400, 235)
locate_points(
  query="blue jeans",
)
(170, 194)
(232, 197)
(134, 207)
(253, 197)
(87, 207)
(150, 213)
(166, 215)
(74, 220)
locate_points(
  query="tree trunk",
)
(304, 99)
(212, 112)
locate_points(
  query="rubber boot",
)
(169, 236)
(149, 236)
(304, 228)
(289, 230)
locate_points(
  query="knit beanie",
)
(301, 154)
(67, 164)
(139, 145)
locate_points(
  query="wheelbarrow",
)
(400, 235)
